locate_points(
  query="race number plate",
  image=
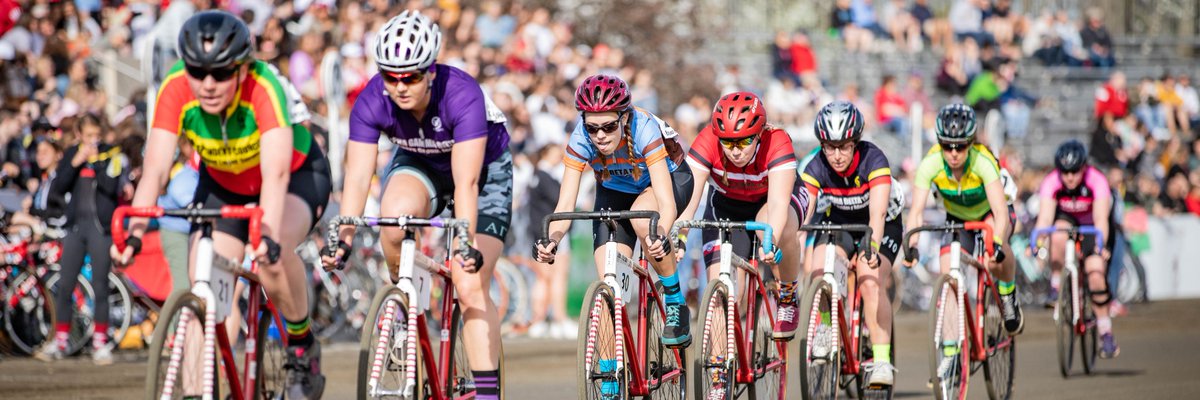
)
(422, 280)
(626, 279)
(223, 284)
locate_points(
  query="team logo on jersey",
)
(437, 123)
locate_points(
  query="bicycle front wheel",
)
(28, 312)
(664, 366)
(1064, 318)
(1089, 345)
(820, 367)
(176, 352)
(713, 360)
(769, 355)
(384, 348)
(599, 376)
(1001, 348)
(270, 356)
(950, 359)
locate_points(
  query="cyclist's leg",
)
(788, 271)
(1058, 243)
(408, 191)
(1005, 273)
(1096, 271)
(677, 330)
(876, 304)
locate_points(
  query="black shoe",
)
(1010, 306)
(304, 379)
(677, 333)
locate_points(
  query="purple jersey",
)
(458, 111)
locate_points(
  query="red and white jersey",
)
(773, 152)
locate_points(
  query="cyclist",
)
(967, 177)
(235, 111)
(854, 175)
(636, 158)
(451, 153)
(1081, 196)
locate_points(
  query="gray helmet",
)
(956, 124)
(231, 42)
(838, 121)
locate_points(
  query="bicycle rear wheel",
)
(713, 357)
(1064, 319)
(28, 312)
(270, 355)
(950, 355)
(820, 368)
(1089, 345)
(664, 366)
(383, 349)
(176, 352)
(768, 360)
(120, 308)
(1001, 349)
(599, 380)
(461, 382)
(83, 308)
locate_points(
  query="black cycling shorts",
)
(1088, 244)
(608, 199)
(310, 183)
(889, 247)
(967, 238)
(495, 190)
(721, 207)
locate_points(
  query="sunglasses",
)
(742, 143)
(408, 78)
(954, 147)
(844, 148)
(1071, 172)
(609, 127)
(218, 74)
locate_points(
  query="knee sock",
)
(883, 353)
(299, 333)
(1006, 288)
(787, 291)
(672, 293)
(487, 384)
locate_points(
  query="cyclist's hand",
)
(998, 255)
(772, 258)
(680, 248)
(338, 259)
(133, 245)
(268, 251)
(870, 259)
(544, 249)
(657, 247)
(1107, 255)
(469, 258)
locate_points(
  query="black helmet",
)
(956, 124)
(1071, 156)
(231, 43)
(838, 121)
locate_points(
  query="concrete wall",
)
(1173, 261)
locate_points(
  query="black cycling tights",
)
(83, 238)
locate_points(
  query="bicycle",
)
(395, 342)
(26, 304)
(654, 370)
(824, 367)
(743, 349)
(339, 299)
(211, 300)
(1073, 312)
(979, 331)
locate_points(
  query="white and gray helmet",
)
(408, 42)
(838, 121)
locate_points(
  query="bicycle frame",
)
(742, 345)
(1075, 236)
(210, 288)
(971, 326)
(853, 365)
(415, 279)
(639, 385)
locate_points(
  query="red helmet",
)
(738, 115)
(601, 93)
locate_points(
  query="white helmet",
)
(409, 42)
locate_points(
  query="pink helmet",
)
(601, 93)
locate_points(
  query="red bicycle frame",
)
(638, 384)
(755, 288)
(440, 387)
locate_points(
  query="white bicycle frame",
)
(830, 277)
(621, 278)
(415, 280)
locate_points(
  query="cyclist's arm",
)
(916, 209)
(360, 167)
(780, 184)
(275, 161)
(877, 207)
(664, 192)
(466, 164)
(995, 198)
(1047, 204)
(156, 169)
(568, 192)
(1102, 206)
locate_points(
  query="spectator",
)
(173, 231)
(1042, 41)
(804, 62)
(549, 292)
(984, 92)
(492, 27)
(1112, 104)
(1074, 52)
(904, 29)
(966, 20)
(937, 30)
(890, 108)
(1149, 109)
(1015, 103)
(1176, 189)
(842, 21)
(782, 58)
(1172, 106)
(1096, 40)
(952, 78)
(1191, 100)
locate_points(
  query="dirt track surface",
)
(1159, 360)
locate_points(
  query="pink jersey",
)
(1077, 202)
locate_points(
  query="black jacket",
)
(110, 171)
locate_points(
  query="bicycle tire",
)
(82, 319)
(461, 383)
(1089, 344)
(269, 356)
(999, 366)
(31, 322)
(120, 308)
(955, 388)
(160, 356)
(713, 319)
(818, 380)
(768, 383)
(598, 300)
(1064, 314)
(662, 360)
(372, 332)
